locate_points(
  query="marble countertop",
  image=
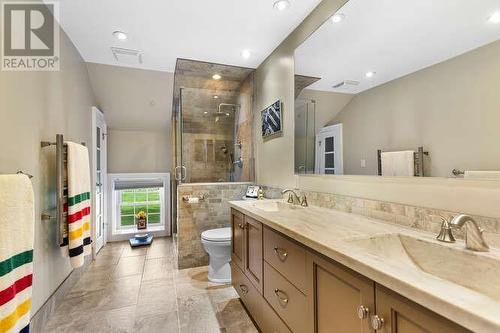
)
(335, 234)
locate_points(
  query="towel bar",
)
(59, 183)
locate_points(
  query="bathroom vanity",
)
(319, 270)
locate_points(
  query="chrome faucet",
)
(294, 198)
(474, 239)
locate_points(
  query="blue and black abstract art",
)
(271, 119)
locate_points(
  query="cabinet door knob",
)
(282, 296)
(244, 289)
(363, 312)
(377, 322)
(281, 253)
(241, 226)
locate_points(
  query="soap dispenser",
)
(260, 195)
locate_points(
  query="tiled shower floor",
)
(140, 290)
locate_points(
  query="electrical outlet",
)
(363, 163)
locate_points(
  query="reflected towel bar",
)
(418, 159)
(24, 173)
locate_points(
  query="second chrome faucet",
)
(474, 239)
(294, 198)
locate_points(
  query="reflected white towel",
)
(398, 163)
(482, 174)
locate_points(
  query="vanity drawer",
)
(271, 322)
(248, 293)
(286, 257)
(286, 300)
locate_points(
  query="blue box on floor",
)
(141, 241)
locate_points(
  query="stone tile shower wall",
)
(193, 219)
(420, 218)
(208, 138)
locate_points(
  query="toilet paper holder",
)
(194, 198)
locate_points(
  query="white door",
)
(329, 158)
(100, 176)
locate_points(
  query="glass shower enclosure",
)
(207, 135)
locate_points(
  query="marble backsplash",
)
(193, 219)
(420, 218)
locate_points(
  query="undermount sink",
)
(275, 206)
(468, 269)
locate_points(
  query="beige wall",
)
(137, 105)
(328, 105)
(138, 151)
(452, 109)
(35, 106)
(274, 158)
(274, 79)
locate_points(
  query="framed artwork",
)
(272, 119)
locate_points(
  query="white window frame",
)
(118, 233)
(119, 228)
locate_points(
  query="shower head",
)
(221, 105)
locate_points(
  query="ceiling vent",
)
(346, 83)
(127, 56)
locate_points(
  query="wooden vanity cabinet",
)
(337, 293)
(238, 238)
(246, 247)
(401, 315)
(253, 252)
(287, 287)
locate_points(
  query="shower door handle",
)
(183, 177)
(176, 172)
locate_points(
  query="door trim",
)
(98, 115)
(325, 131)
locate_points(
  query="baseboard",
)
(47, 310)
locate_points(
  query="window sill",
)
(132, 231)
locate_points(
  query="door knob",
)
(377, 322)
(363, 312)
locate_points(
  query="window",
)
(132, 193)
(133, 201)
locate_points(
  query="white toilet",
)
(217, 243)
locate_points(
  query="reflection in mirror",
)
(401, 88)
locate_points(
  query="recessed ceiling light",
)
(120, 35)
(337, 18)
(216, 77)
(281, 5)
(215, 96)
(495, 18)
(370, 74)
(246, 54)
(227, 114)
(205, 112)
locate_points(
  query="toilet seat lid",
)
(217, 235)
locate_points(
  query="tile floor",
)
(140, 290)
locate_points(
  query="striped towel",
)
(78, 219)
(17, 222)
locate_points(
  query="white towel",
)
(398, 163)
(482, 174)
(78, 203)
(17, 223)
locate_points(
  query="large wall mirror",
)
(401, 88)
